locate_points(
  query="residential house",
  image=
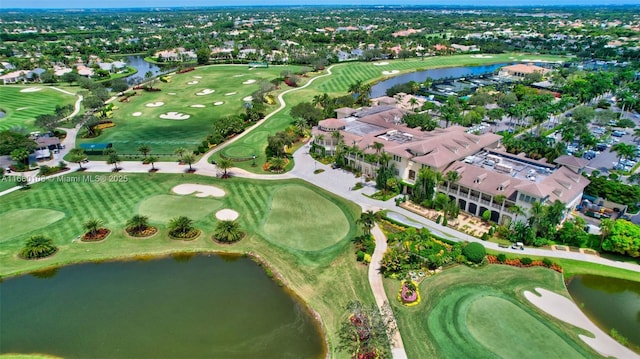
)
(522, 70)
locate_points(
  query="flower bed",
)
(188, 236)
(147, 232)
(409, 295)
(518, 263)
(100, 234)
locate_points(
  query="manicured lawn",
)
(5, 185)
(322, 271)
(337, 84)
(482, 313)
(23, 107)
(179, 95)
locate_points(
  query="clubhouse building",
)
(489, 177)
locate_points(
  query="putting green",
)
(18, 222)
(239, 151)
(164, 207)
(496, 323)
(304, 220)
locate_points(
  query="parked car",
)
(589, 155)
(518, 245)
(618, 133)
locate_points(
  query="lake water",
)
(202, 306)
(380, 89)
(143, 67)
(610, 303)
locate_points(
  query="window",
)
(397, 158)
(412, 174)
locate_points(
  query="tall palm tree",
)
(224, 164)
(228, 231)
(189, 159)
(377, 146)
(113, 159)
(452, 177)
(144, 149)
(77, 155)
(152, 160)
(517, 211)
(624, 150)
(180, 151)
(138, 223)
(92, 225)
(367, 220)
(413, 102)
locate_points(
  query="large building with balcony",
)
(490, 179)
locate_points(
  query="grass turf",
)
(164, 136)
(326, 279)
(482, 313)
(22, 108)
(337, 84)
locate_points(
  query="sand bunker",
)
(230, 93)
(155, 104)
(31, 89)
(249, 82)
(240, 75)
(174, 116)
(390, 72)
(198, 106)
(566, 310)
(192, 82)
(381, 63)
(205, 92)
(136, 114)
(200, 190)
(197, 77)
(481, 56)
(227, 215)
(218, 103)
(171, 93)
(21, 108)
(248, 98)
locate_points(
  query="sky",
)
(76, 4)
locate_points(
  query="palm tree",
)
(319, 138)
(38, 246)
(377, 146)
(624, 150)
(517, 211)
(77, 155)
(144, 149)
(180, 226)
(225, 164)
(413, 102)
(606, 226)
(452, 177)
(91, 226)
(152, 160)
(228, 231)
(277, 164)
(180, 151)
(138, 223)
(113, 160)
(367, 220)
(189, 159)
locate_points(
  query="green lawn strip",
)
(572, 267)
(5, 185)
(23, 107)
(326, 279)
(178, 95)
(442, 325)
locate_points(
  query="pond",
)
(610, 303)
(143, 67)
(380, 89)
(185, 306)
(2, 114)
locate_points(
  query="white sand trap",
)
(192, 82)
(381, 63)
(155, 104)
(171, 93)
(481, 56)
(136, 114)
(205, 92)
(31, 89)
(197, 77)
(248, 98)
(240, 75)
(566, 310)
(227, 215)
(395, 71)
(174, 116)
(249, 82)
(198, 106)
(21, 108)
(218, 103)
(230, 93)
(200, 190)
(390, 72)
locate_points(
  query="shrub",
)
(360, 256)
(474, 252)
(438, 219)
(526, 261)
(492, 230)
(38, 246)
(485, 236)
(502, 257)
(547, 262)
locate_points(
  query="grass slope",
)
(23, 107)
(482, 313)
(178, 95)
(326, 279)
